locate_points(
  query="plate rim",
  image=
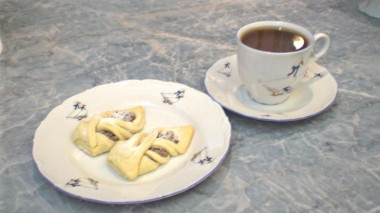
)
(224, 151)
(252, 116)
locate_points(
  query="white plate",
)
(166, 104)
(310, 98)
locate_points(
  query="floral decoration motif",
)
(271, 85)
(202, 157)
(319, 75)
(172, 97)
(266, 115)
(276, 92)
(79, 111)
(83, 182)
(226, 70)
(270, 115)
(295, 68)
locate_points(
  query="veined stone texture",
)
(53, 50)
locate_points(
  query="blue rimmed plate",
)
(165, 104)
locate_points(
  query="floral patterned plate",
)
(166, 104)
(312, 97)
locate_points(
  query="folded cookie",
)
(132, 120)
(177, 137)
(99, 133)
(144, 152)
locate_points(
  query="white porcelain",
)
(370, 7)
(166, 104)
(270, 77)
(317, 92)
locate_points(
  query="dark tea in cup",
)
(274, 39)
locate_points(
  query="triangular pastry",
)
(89, 140)
(177, 137)
(99, 133)
(132, 120)
(144, 152)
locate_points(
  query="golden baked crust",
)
(184, 134)
(144, 152)
(116, 117)
(99, 133)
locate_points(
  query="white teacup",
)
(270, 68)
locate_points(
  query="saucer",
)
(317, 93)
(165, 104)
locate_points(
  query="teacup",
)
(272, 58)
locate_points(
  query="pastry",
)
(144, 152)
(132, 120)
(99, 133)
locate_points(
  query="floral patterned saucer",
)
(312, 97)
(166, 104)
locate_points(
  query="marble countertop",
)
(53, 50)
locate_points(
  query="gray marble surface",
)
(56, 49)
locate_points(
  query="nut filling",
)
(169, 135)
(160, 151)
(128, 117)
(109, 135)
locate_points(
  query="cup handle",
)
(314, 57)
